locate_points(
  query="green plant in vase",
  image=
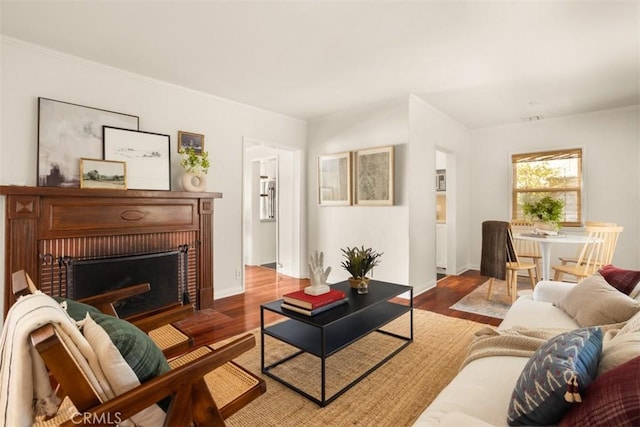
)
(196, 167)
(545, 213)
(359, 262)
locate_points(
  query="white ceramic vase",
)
(195, 182)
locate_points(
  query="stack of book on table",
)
(311, 305)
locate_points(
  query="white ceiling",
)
(483, 63)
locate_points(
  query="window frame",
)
(577, 153)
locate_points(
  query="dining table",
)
(545, 242)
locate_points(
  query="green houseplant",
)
(358, 262)
(547, 212)
(196, 167)
(194, 163)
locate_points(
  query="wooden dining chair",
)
(527, 249)
(564, 260)
(595, 253)
(514, 265)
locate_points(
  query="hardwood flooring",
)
(240, 313)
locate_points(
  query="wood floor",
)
(240, 313)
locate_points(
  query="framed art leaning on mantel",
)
(68, 132)
(374, 170)
(146, 154)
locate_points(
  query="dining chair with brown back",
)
(511, 260)
(597, 252)
(527, 249)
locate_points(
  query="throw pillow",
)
(618, 350)
(623, 280)
(613, 399)
(554, 377)
(128, 357)
(77, 310)
(595, 302)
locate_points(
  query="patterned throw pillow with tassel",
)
(554, 377)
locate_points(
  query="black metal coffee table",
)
(326, 333)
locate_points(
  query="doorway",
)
(441, 214)
(271, 209)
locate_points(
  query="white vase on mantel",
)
(194, 182)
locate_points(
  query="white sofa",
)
(481, 392)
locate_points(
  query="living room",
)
(415, 121)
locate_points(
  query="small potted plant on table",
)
(359, 262)
(545, 213)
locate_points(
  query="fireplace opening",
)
(89, 277)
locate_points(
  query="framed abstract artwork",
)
(69, 132)
(103, 174)
(146, 154)
(334, 179)
(374, 171)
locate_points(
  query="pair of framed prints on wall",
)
(370, 182)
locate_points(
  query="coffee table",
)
(324, 334)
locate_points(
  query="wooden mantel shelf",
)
(90, 192)
(83, 222)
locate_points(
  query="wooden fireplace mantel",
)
(89, 222)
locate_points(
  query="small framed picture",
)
(103, 174)
(334, 179)
(188, 140)
(374, 176)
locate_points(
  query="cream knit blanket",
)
(518, 342)
(24, 382)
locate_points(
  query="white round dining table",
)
(545, 243)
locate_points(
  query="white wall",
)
(431, 131)
(384, 228)
(29, 72)
(610, 142)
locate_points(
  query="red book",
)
(311, 302)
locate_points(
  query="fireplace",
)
(89, 277)
(45, 226)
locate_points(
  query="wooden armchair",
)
(192, 382)
(156, 323)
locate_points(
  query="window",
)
(551, 173)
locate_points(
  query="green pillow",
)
(77, 310)
(135, 348)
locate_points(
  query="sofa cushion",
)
(536, 314)
(623, 280)
(595, 302)
(613, 399)
(482, 390)
(618, 350)
(568, 359)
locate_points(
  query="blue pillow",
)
(554, 377)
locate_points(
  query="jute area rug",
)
(497, 305)
(393, 395)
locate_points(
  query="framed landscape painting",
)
(188, 140)
(334, 179)
(69, 132)
(146, 154)
(103, 174)
(374, 176)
